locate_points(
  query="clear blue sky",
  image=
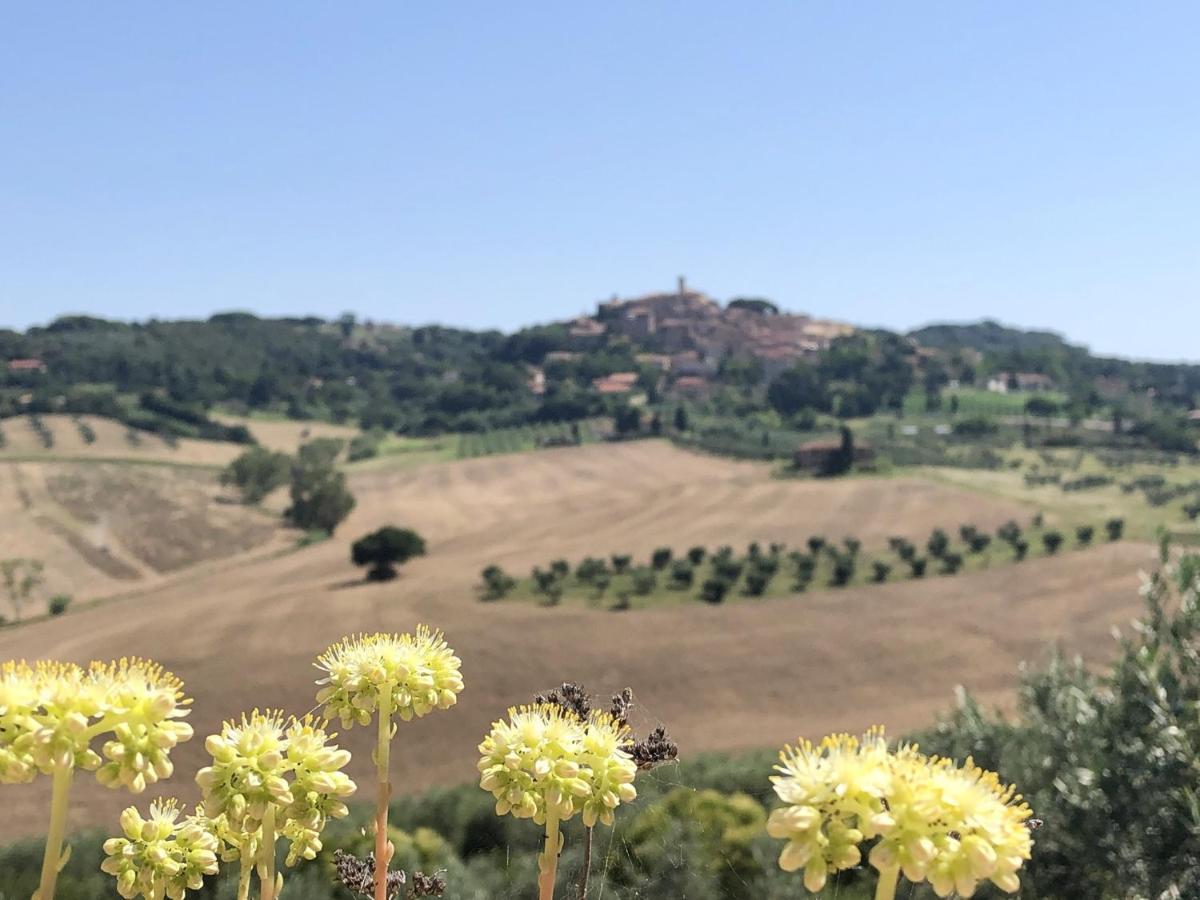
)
(495, 164)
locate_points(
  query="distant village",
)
(689, 333)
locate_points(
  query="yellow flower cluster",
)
(51, 712)
(409, 674)
(163, 855)
(266, 763)
(544, 759)
(953, 827)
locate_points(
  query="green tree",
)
(796, 389)
(1106, 757)
(257, 472)
(841, 460)
(384, 549)
(681, 418)
(496, 582)
(320, 498)
(20, 578)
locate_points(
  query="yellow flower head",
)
(982, 833)
(51, 712)
(834, 793)
(955, 827)
(413, 673)
(162, 855)
(544, 759)
(607, 766)
(143, 703)
(291, 766)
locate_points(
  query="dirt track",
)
(744, 674)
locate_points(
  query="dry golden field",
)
(739, 675)
(113, 441)
(287, 435)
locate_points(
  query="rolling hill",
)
(244, 633)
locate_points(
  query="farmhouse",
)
(616, 383)
(26, 365)
(691, 386)
(816, 455)
(1004, 382)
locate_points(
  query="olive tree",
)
(386, 548)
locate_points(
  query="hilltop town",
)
(687, 333)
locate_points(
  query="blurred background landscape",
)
(801, 370)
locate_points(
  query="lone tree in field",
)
(1052, 541)
(385, 549)
(20, 577)
(320, 499)
(256, 473)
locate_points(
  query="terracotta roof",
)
(26, 365)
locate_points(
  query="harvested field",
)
(167, 519)
(725, 677)
(103, 527)
(113, 441)
(288, 435)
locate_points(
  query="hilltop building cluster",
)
(689, 333)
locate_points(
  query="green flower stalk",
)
(546, 764)
(928, 818)
(382, 676)
(52, 713)
(162, 856)
(272, 778)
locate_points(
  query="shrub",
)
(497, 583)
(696, 555)
(365, 445)
(979, 542)
(1052, 540)
(951, 563)
(1115, 528)
(714, 589)
(384, 549)
(621, 562)
(843, 570)
(1084, 534)
(1039, 519)
(86, 431)
(644, 581)
(1192, 510)
(918, 564)
(57, 605)
(852, 545)
(1020, 549)
(552, 594)
(660, 558)
(1009, 532)
(938, 543)
(560, 567)
(967, 533)
(815, 543)
(728, 569)
(880, 571)
(756, 583)
(975, 427)
(543, 579)
(1101, 754)
(590, 568)
(1087, 483)
(257, 472)
(683, 573)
